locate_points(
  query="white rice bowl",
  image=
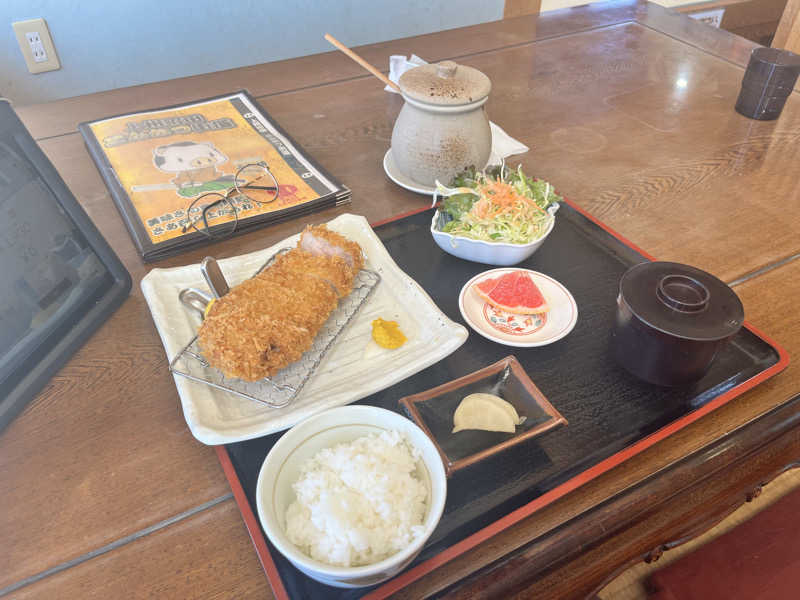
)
(358, 502)
(351, 494)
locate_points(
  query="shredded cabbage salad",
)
(498, 205)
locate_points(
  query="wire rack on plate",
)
(278, 391)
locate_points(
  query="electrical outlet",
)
(37, 46)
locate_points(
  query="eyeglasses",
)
(210, 213)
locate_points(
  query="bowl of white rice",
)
(351, 495)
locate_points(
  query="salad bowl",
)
(500, 254)
(498, 216)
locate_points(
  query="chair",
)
(787, 35)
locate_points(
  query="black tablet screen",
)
(50, 272)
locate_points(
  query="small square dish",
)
(433, 411)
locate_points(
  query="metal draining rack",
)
(280, 390)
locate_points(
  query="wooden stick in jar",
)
(361, 61)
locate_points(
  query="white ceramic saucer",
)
(395, 175)
(524, 331)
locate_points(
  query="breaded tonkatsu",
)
(330, 268)
(269, 321)
(321, 240)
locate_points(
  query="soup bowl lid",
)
(682, 301)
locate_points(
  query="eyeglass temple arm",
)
(202, 215)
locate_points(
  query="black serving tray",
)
(611, 415)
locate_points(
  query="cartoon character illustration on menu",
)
(194, 165)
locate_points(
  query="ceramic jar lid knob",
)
(446, 69)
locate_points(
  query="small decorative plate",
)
(393, 173)
(433, 411)
(524, 331)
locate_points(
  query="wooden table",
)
(628, 108)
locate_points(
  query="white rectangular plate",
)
(354, 367)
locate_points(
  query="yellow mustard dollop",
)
(387, 334)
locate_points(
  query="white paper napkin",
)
(503, 145)
(398, 65)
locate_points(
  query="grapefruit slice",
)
(514, 292)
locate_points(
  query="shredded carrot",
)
(498, 198)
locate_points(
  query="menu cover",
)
(157, 162)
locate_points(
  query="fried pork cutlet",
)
(267, 322)
(322, 241)
(333, 269)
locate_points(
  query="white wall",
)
(104, 44)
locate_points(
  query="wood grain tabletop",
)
(627, 109)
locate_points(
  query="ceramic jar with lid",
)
(443, 127)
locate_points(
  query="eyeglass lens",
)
(213, 215)
(257, 183)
